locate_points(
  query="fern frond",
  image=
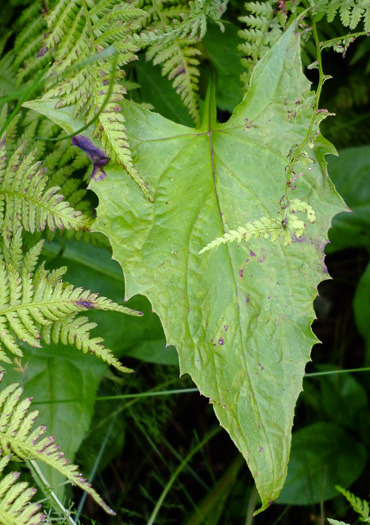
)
(263, 30)
(37, 303)
(351, 12)
(76, 331)
(79, 31)
(179, 61)
(289, 227)
(29, 38)
(194, 23)
(266, 20)
(18, 440)
(336, 522)
(15, 499)
(358, 505)
(24, 199)
(7, 74)
(17, 66)
(263, 227)
(171, 36)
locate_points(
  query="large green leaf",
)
(240, 315)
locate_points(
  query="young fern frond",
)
(266, 21)
(15, 499)
(19, 440)
(80, 31)
(262, 31)
(351, 12)
(269, 228)
(171, 39)
(358, 505)
(179, 61)
(25, 201)
(36, 304)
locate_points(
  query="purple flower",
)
(97, 156)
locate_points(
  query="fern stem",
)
(23, 98)
(33, 466)
(308, 136)
(101, 109)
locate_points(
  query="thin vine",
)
(310, 136)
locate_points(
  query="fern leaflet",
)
(358, 505)
(15, 499)
(37, 303)
(18, 440)
(80, 31)
(24, 200)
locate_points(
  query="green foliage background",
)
(112, 424)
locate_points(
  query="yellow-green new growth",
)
(36, 304)
(25, 199)
(287, 225)
(19, 440)
(16, 507)
(358, 505)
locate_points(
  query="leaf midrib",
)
(212, 154)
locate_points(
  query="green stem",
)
(331, 372)
(308, 136)
(177, 472)
(148, 394)
(251, 506)
(23, 98)
(33, 466)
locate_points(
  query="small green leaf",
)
(361, 306)
(323, 455)
(226, 59)
(351, 176)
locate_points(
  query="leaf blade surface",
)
(240, 315)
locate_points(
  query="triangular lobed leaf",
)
(239, 315)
